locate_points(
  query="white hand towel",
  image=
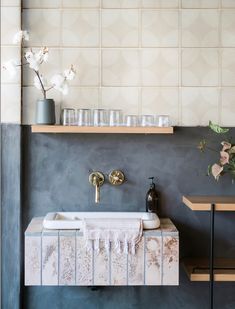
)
(123, 234)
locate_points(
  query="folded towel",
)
(124, 234)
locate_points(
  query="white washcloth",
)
(124, 234)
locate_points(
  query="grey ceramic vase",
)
(45, 112)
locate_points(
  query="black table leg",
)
(212, 230)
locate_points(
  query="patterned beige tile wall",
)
(10, 88)
(172, 57)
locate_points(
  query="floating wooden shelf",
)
(203, 203)
(119, 130)
(198, 269)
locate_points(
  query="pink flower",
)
(226, 146)
(224, 157)
(216, 170)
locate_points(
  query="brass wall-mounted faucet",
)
(97, 179)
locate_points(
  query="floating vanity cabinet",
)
(59, 257)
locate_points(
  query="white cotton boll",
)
(25, 35)
(45, 57)
(34, 65)
(69, 74)
(64, 89)
(29, 56)
(57, 81)
(11, 67)
(17, 37)
(20, 35)
(42, 55)
(32, 60)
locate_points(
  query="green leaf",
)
(217, 129)
(209, 170)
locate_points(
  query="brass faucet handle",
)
(116, 177)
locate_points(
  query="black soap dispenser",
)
(152, 198)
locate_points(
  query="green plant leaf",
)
(217, 129)
(209, 170)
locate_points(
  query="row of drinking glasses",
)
(114, 117)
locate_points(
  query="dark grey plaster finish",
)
(56, 169)
(11, 215)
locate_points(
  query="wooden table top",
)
(203, 203)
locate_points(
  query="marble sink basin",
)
(74, 220)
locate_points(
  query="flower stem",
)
(43, 89)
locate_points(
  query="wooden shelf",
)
(198, 269)
(203, 203)
(119, 130)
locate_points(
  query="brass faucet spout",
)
(97, 180)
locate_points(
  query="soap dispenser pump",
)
(152, 198)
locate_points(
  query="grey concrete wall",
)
(11, 216)
(56, 169)
(55, 177)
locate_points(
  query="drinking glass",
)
(83, 117)
(163, 121)
(147, 120)
(131, 121)
(100, 117)
(68, 117)
(115, 117)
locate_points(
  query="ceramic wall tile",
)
(81, 98)
(81, 3)
(228, 67)
(120, 67)
(41, 3)
(228, 28)
(44, 26)
(199, 4)
(126, 52)
(228, 107)
(11, 3)
(200, 28)
(80, 28)
(200, 67)
(121, 3)
(160, 4)
(50, 259)
(124, 98)
(86, 63)
(67, 261)
(136, 266)
(7, 53)
(48, 69)
(120, 28)
(10, 103)
(160, 67)
(161, 101)
(228, 4)
(153, 256)
(160, 28)
(10, 24)
(199, 106)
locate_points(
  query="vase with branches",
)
(45, 110)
